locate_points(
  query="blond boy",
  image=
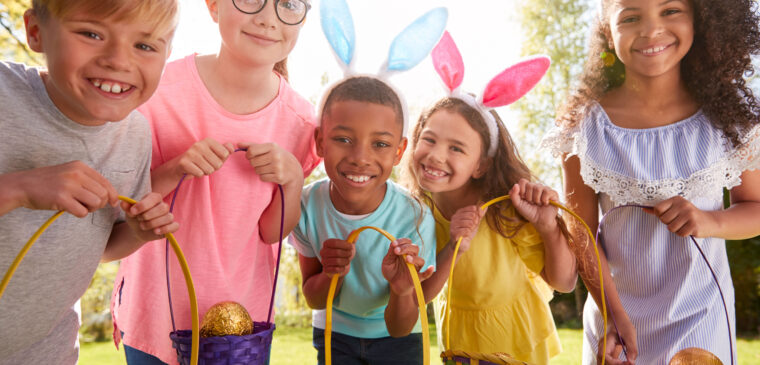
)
(72, 141)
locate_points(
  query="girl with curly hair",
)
(661, 123)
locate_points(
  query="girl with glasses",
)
(206, 107)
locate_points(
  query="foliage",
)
(12, 37)
(96, 303)
(558, 29)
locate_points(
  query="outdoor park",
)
(556, 28)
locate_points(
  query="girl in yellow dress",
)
(462, 157)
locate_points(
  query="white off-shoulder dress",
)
(664, 284)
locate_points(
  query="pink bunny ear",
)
(515, 81)
(448, 62)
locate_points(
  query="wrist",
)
(13, 194)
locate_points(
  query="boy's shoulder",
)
(17, 78)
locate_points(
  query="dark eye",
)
(294, 6)
(428, 140)
(629, 19)
(89, 34)
(341, 140)
(145, 47)
(456, 149)
(671, 11)
(381, 144)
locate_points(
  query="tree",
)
(12, 39)
(558, 29)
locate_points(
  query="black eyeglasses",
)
(290, 12)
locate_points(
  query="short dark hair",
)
(364, 89)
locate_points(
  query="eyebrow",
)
(661, 4)
(451, 140)
(349, 129)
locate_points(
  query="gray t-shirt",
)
(38, 320)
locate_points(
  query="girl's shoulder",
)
(295, 102)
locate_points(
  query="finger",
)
(514, 195)
(230, 147)
(424, 275)
(649, 210)
(73, 206)
(260, 160)
(669, 216)
(687, 229)
(551, 196)
(152, 224)
(221, 151)
(407, 249)
(662, 207)
(112, 196)
(677, 224)
(148, 202)
(88, 199)
(256, 149)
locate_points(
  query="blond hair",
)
(162, 14)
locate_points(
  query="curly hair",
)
(506, 167)
(726, 35)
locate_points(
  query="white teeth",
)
(653, 50)
(435, 173)
(108, 87)
(358, 178)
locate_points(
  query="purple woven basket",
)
(250, 349)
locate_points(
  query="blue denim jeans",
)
(349, 350)
(137, 357)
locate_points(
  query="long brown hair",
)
(282, 68)
(505, 169)
(726, 35)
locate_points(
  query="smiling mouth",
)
(112, 87)
(651, 51)
(435, 173)
(358, 179)
(261, 39)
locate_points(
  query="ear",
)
(416, 41)
(338, 27)
(400, 151)
(515, 81)
(33, 31)
(483, 166)
(213, 9)
(319, 141)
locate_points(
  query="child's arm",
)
(276, 165)
(739, 221)
(582, 200)
(201, 159)
(464, 223)
(531, 200)
(401, 313)
(336, 260)
(147, 220)
(73, 187)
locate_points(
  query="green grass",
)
(292, 346)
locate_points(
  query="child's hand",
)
(150, 218)
(683, 218)
(204, 157)
(395, 269)
(73, 187)
(627, 332)
(464, 224)
(336, 256)
(532, 202)
(274, 164)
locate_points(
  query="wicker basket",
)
(250, 349)
(450, 357)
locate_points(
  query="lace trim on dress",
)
(622, 189)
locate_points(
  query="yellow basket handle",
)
(447, 310)
(417, 288)
(177, 251)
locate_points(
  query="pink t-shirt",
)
(218, 214)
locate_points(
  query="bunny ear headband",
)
(504, 89)
(408, 49)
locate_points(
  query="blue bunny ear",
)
(338, 26)
(415, 42)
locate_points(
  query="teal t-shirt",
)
(359, 307)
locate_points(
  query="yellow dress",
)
(500, 302)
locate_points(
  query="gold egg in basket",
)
(694, 356)
(225, 319)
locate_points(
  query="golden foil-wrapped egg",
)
(226, 318)
(694, 356)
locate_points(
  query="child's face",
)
(448, 153)
(260, 39)
(651, 37)
(360, 143)
(99, 70)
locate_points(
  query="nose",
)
(360, 155)
(437, 153)
(652, 27)
(116, 56)
(267, 17)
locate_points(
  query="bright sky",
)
(485, 32)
